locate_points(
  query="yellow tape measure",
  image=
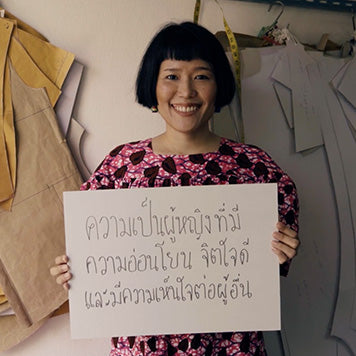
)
(196, 11)
(232, 41)
(234, 51)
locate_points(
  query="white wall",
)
(109, 38)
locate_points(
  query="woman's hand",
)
(61, 271)
(285, 243)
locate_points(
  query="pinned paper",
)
(65, 104)
(152, 255)
(74, 137)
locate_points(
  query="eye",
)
(171, 77)
(202, 77)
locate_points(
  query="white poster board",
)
(172, 260)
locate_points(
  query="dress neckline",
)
(148, 145)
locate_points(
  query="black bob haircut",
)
(185, 41)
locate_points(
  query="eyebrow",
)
(196, 68)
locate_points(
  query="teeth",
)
(186, 108)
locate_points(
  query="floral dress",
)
(135, 165)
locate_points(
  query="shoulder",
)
(114, 164)
(233, 148)
(126, 151)
(131, 147)
(253, 161)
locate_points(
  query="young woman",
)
(185, 77)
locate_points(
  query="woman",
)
(185, 77)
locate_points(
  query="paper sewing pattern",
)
(326, 200)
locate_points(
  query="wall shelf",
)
(332, 5)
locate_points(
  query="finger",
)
(63, 279)
(284, 249)
(282, 258)
(61, 259)
(56, 270)
(292, 242)
(286, 229)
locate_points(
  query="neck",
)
(176, 143)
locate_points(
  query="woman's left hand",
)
(285, 243)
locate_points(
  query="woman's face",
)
(186, 92)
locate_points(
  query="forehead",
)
(191, 65)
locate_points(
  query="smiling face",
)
(186, 92)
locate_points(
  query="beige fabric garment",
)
(25, 50)
(33, 231)
(12, 333)
(4, 306)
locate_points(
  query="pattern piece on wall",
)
(32, 232)
(310, 291)
(65, 104)
(345, 143)
(290, 72)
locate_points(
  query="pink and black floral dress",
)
(135, 165)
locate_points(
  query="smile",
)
(190, 108)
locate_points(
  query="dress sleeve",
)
(288, 205)
(101, 178)
(288, 209)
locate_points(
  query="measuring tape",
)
(234, 51)
(232, 42)
(197, 11)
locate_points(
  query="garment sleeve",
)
(288, 205)
(288, 210)
(101, 178)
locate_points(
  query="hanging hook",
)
(280, 14)
(266, 29)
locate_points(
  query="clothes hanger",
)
(265, 29)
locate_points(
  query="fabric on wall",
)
(32, 72)
(40, 64)
(13, 333)
(5, 306)
(53, 61)
(35, 224)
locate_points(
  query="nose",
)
(187, 88)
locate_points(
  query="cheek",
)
(163, 93)
(210, 97)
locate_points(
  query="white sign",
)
(172, 260)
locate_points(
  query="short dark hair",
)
(185, 41)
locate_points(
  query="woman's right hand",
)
(61, 271)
